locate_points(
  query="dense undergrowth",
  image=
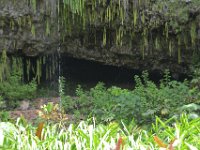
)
(167, 135)
(13, 89)
(142, 104)
(114, 118)
(12, 85)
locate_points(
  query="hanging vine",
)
(4, 68)
(115, 15)
(121, 17)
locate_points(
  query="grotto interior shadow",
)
(89, 73)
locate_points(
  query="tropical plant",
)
(171, 134)
(142, 104)
(51, 113)
(13, 89)
(4, 116)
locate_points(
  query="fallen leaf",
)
(39, 130)
(159, 142)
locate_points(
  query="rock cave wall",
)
(139, 34)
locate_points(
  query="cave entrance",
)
(45, 69)
(88, 74)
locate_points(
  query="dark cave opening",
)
(83, 72)
(88, 74)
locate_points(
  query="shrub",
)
(1, 101)
(141, 104)
(4, 116)
(13, 89)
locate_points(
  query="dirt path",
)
(30, 109)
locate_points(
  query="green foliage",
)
(48, 108)
(181, 130)
(61, 89)
(193, 110)
(196, 78)
(51, 112)
(4, 69)
(13, 89)
(181, 133)
(1, 101)
(141, 104)
(4, 116)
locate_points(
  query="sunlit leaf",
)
(191, 147)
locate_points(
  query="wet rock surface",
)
(16, 31)
(36, 40)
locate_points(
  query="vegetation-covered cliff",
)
(138, 34)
